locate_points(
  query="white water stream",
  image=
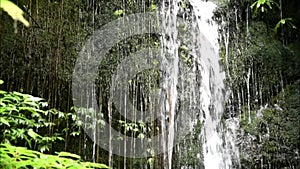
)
(218, 152)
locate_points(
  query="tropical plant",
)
(285, 21)
(12, 157)
(22, 116)
(263, 5)
(22, 120)
(137, 129)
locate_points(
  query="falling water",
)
(205, 49)
(216, 155)
(190, 87)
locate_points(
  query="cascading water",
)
(205, 49)
(216, 155)
(188, 91)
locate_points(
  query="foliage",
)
(260, 69)
(24, 118)
(285, 21)
(138, 129)
(21, 116)
(263, 5)
(21, 157)
(274, 130)
(14, 11)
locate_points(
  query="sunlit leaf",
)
(61, 114)
(258, 5)
(93, 165)
(252, 6)
(30, 109)
(141, 136)
(150, 161)
(118, 12)
(66, 154)
(21, 157)
(14, 11)
(33, 134)
(44, 104)
(33, 99)
(75, 133)
(153, 7)
(3, 92)
(21, 94)
(4, 121)
(44, 148)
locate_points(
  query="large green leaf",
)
(14, 11)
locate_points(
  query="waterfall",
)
(216, 155)
(186, 96)
(219, 148)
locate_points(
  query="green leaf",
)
(4, 121)
(61, 115)
(30, 109)
(153, 7)
(43, 148)
(118, 12)
(183, 47)
(21, 157)
(14, 11)
(33, 134)
(269, 4)
(66, 154)
(3, 92)
(258, 5)
(150, 161)
(95, 165)
(1, 81)
(75, 133)
(33, 99)
(11, 97)
(252, 6)
(141, 136)
(287, 21)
